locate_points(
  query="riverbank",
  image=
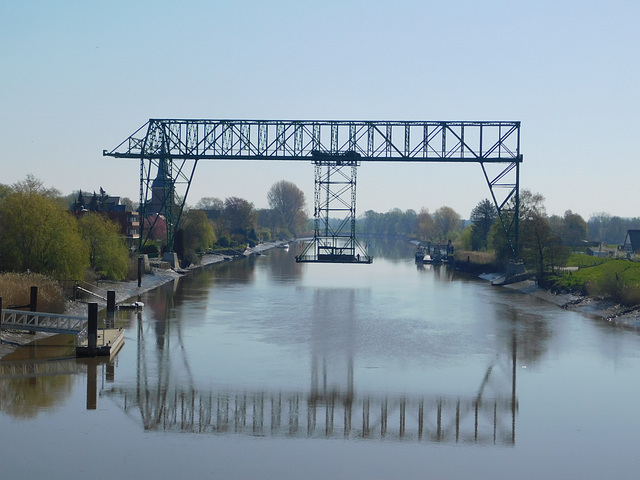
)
(160, 276)
(606, 310)
(127, 290)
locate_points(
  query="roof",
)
(633, 239)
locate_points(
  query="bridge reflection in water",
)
(261, 413)
(330, 408)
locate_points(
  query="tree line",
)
(545, 241)
(39, 234)
(42, 231)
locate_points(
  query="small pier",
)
(90, 340)
(108, 343)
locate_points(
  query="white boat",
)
(131, 306)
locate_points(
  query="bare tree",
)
(288, 202)
(210, 203)
(239, 215)
(447, 222)
(426, 225)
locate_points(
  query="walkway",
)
(41, 322)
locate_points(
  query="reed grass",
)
(15, 290)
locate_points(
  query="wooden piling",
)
(33, 302)
(111, 301)
(92, 328)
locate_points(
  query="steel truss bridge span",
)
(169, 149)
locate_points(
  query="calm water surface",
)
(265, 368)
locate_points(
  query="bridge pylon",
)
(334, 239)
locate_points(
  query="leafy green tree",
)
(540, 247)
(482, 216)
(196, 235)
(239, 216)
(497, 241)
(536, 235)
(38, 234)
(288, 202)
(408, 222)
(602, 227)
(574, 229)
(370, 223)
(108, 253)
(5, 190)
(465, 240)
(531, 205)
(393, 221)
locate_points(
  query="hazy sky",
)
(78, 77)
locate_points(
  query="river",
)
(265, 368)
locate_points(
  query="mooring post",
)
(111, 309)
(33, 302)
(140, 260)
(92, 327)
(111, 301)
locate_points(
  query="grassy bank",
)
(617, 280)
(15, 290)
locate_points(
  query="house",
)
(632, 242)
(110, 207)
(601, 251)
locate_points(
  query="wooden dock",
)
(108, 343)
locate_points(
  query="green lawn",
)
(584, 260)
(618, 280)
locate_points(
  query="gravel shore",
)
(606, 310)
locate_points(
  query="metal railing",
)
(41, 322)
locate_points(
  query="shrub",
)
(150, 248)
(224, 241)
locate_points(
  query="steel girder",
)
(180, 143)
(496, 142)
